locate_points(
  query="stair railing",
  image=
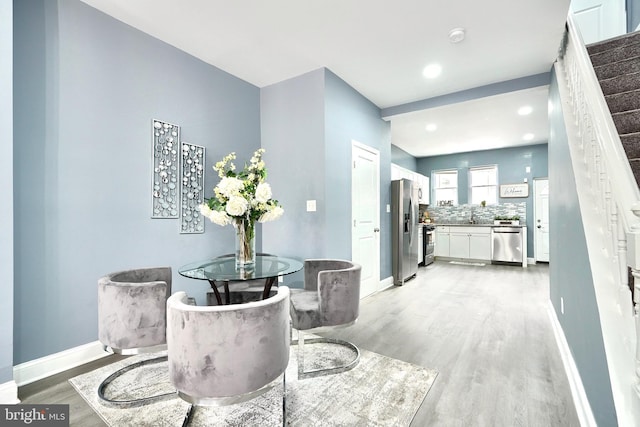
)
(610, 207)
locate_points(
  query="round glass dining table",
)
(223, 269)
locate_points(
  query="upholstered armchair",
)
(132, 320)
(132, 310)
(227, 354)
(330, 298)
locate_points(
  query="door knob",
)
(539, 226)
(376, 230)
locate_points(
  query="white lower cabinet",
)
(459, 245)
(465, 242)
(480, 246)
(441, 241)
(420, 238)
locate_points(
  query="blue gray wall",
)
(86, 89)
(402, 158)
(512, 163)
(570, 274)
(308, 123)
(6, 177)
(633, 14)
(292, 118)
(350, 116)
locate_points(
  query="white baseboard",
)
(386, 283)
(9, 393)
(52, 364)
(583, 408)
(531, 261)
(382, 285)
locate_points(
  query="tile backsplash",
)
(461, 214)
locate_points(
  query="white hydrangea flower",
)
(230, 186)
(263, 192)
(205, 210)
(219, 217)
(272, 214)
(237, 206)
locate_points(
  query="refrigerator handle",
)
(410, 222)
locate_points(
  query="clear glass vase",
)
(245, 243)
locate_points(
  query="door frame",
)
(533, 223)
(358, 146)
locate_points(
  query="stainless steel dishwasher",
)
(506, 244)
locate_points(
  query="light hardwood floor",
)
(485, 329)
(488, 333)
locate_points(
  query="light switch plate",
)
(388, 208)
(528, 169)
(311, 205)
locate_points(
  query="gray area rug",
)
(380, 391)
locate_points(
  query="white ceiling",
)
(380, 48)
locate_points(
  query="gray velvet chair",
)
(132, 307)
(227, 354)
(330, 299)
(132, 310)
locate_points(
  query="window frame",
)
(435, 185)
(471, 186)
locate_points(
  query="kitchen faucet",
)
(472, 219)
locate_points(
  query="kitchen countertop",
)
(476, 225)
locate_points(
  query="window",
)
(445, 187)
(483, 185)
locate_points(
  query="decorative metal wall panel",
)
(192, 188)
(165, 187)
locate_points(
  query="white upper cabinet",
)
(398, 172)
(423, 182)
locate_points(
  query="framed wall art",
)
(514, 190)
(192, 188)
(165, 192)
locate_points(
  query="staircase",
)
(599, 100)
(617, 65)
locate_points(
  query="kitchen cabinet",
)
(480, 246)
(423, 183)
(398, 172)
(470, 242)
(463, 242)
(441, 241)
(420, 238)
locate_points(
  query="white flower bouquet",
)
(242, 198)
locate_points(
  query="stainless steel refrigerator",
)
(404, 235)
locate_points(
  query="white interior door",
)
(541, 219)
(599, 19)
(365, 211)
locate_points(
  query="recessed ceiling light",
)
(431, 127)
(528, 136)
(432, 71)
(523, 111)
(456, 35)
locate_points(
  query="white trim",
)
(386, 283)
(355, 148)
(34, 370)
(583, 408)
(531, 261)
(382, 285)
(9, 393)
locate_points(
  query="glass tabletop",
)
(224, 268)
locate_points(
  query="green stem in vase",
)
(246, 231)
